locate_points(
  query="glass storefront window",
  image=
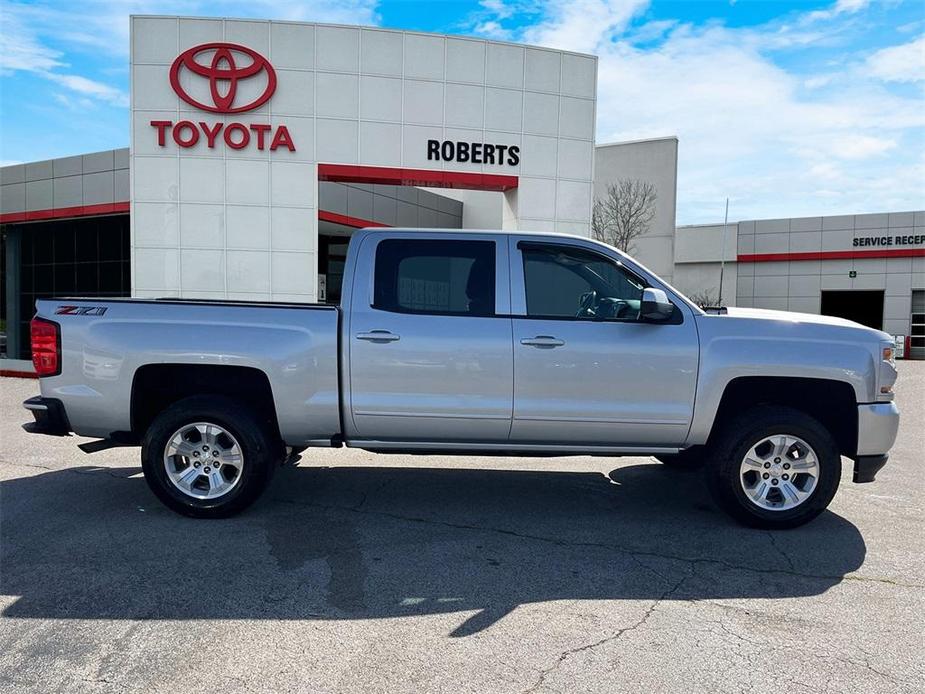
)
(73, 257)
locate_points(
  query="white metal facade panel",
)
(242, 223)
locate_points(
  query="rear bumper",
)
(50, 417)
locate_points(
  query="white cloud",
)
(581, 25)
(577, 25)
(72, 103)
(20, 49)
(492, 29)
(89, 88)
(46, 40)
(777, 140)
(911, 27)
(749, 129)
(865, 146)
(839, 8)
(652, 31)
(498, 8)
(903, 63)
(104, 24)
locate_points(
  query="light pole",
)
(722, 259)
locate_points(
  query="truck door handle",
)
(378, 336)
(542, 341)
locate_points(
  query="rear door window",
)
(437, 277)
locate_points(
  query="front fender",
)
(727, 357)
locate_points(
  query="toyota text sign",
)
(224, 78)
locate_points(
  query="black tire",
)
(736, 439)
(689, 459)
(261, 452)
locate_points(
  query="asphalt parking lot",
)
(367, 573)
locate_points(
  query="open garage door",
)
(864, 307)
(917, 339)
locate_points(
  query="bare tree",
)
(705, 298)
(624, 213)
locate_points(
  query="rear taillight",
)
(46, 347)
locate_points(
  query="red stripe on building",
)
(347, 173)
(346, 220)
(832, 255)
(65, 212)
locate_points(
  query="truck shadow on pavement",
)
(384, 542)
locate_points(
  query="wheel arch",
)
(831, 402)
(155, 387)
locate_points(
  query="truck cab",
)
(526, 340)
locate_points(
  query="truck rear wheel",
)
(208, 456)
(774, 468)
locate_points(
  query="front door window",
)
(564, 282)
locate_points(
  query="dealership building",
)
(869, 268)
(257, 147)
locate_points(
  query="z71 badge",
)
(80, 310)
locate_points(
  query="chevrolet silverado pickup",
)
(472, 343)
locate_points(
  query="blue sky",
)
(788, 108)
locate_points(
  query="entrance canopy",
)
(424, 178)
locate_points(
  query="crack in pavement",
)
(780, 550)
(866, 666)
(365, 496)
(77, 471)
(565, 655)
(787, 648)
(32, 465)
(601, 545)
(102, 680)
(634, 553)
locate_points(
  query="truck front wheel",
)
(208, 456)
(773, 468)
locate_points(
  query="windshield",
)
(634, 263)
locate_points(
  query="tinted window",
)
(74, 257)
(566, 282)
(435, 277)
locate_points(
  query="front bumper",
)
(877, 427)
(866, 467)
(50, 417)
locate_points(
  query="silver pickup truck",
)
(472, 343)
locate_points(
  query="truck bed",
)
(106, 341)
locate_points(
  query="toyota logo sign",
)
(223, 73)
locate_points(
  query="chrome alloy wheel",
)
(779, 472)
(203, 460)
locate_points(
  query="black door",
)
(332, 257)
(864, 307)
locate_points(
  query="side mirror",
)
(655, 305)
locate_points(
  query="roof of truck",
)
(517, 232)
